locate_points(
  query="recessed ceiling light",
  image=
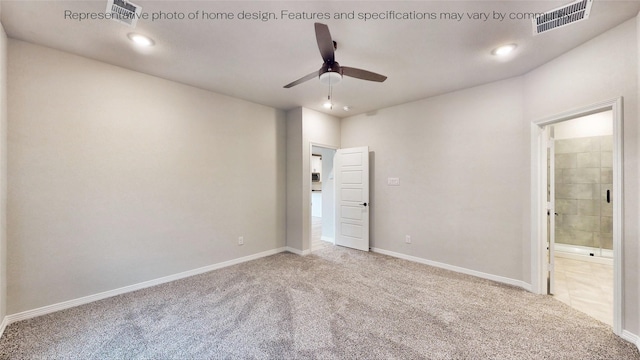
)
(346, 108)
(140, 40)
(504, 50)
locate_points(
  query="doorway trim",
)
(539, 200)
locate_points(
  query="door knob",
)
(365, 204)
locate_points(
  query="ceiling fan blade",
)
(302, 79)
(362, 74)
(325, 43)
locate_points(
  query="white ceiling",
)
(253, 60)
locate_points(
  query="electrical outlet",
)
(241, 240)
(407, 239)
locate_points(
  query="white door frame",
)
(539, 201)
(310, 220)
(551, 207)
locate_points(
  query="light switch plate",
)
(393, 181)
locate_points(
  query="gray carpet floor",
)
(334, 304)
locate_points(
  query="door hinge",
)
(550, 267)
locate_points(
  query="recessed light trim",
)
(141, 40)
(504, 50)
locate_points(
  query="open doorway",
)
(580, 183)
(581, 168)
(322, 197)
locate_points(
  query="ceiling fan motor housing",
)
(330, 74)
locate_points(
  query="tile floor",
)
(585, 286)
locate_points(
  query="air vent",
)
(559, 17)
(124, 11)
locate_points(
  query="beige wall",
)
(461, 163)
(318, 129)
(464, 162)
(637, 273)
(305, 127)
(295, 177)
(116, 177)
(3, 173)
(601, 69)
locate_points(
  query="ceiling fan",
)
(331, 72)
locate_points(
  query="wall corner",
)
(3, 177)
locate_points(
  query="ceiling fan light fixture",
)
(330, 77)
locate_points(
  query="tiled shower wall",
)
(583, 174)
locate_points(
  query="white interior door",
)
(551, 208)
(351, 168)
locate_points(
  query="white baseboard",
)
(501, 279)
(107, 294)
(297, 252)
(631, 337)
(3, 325)
(626, 335)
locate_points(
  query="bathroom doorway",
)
(580, 180)
(581, 164)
